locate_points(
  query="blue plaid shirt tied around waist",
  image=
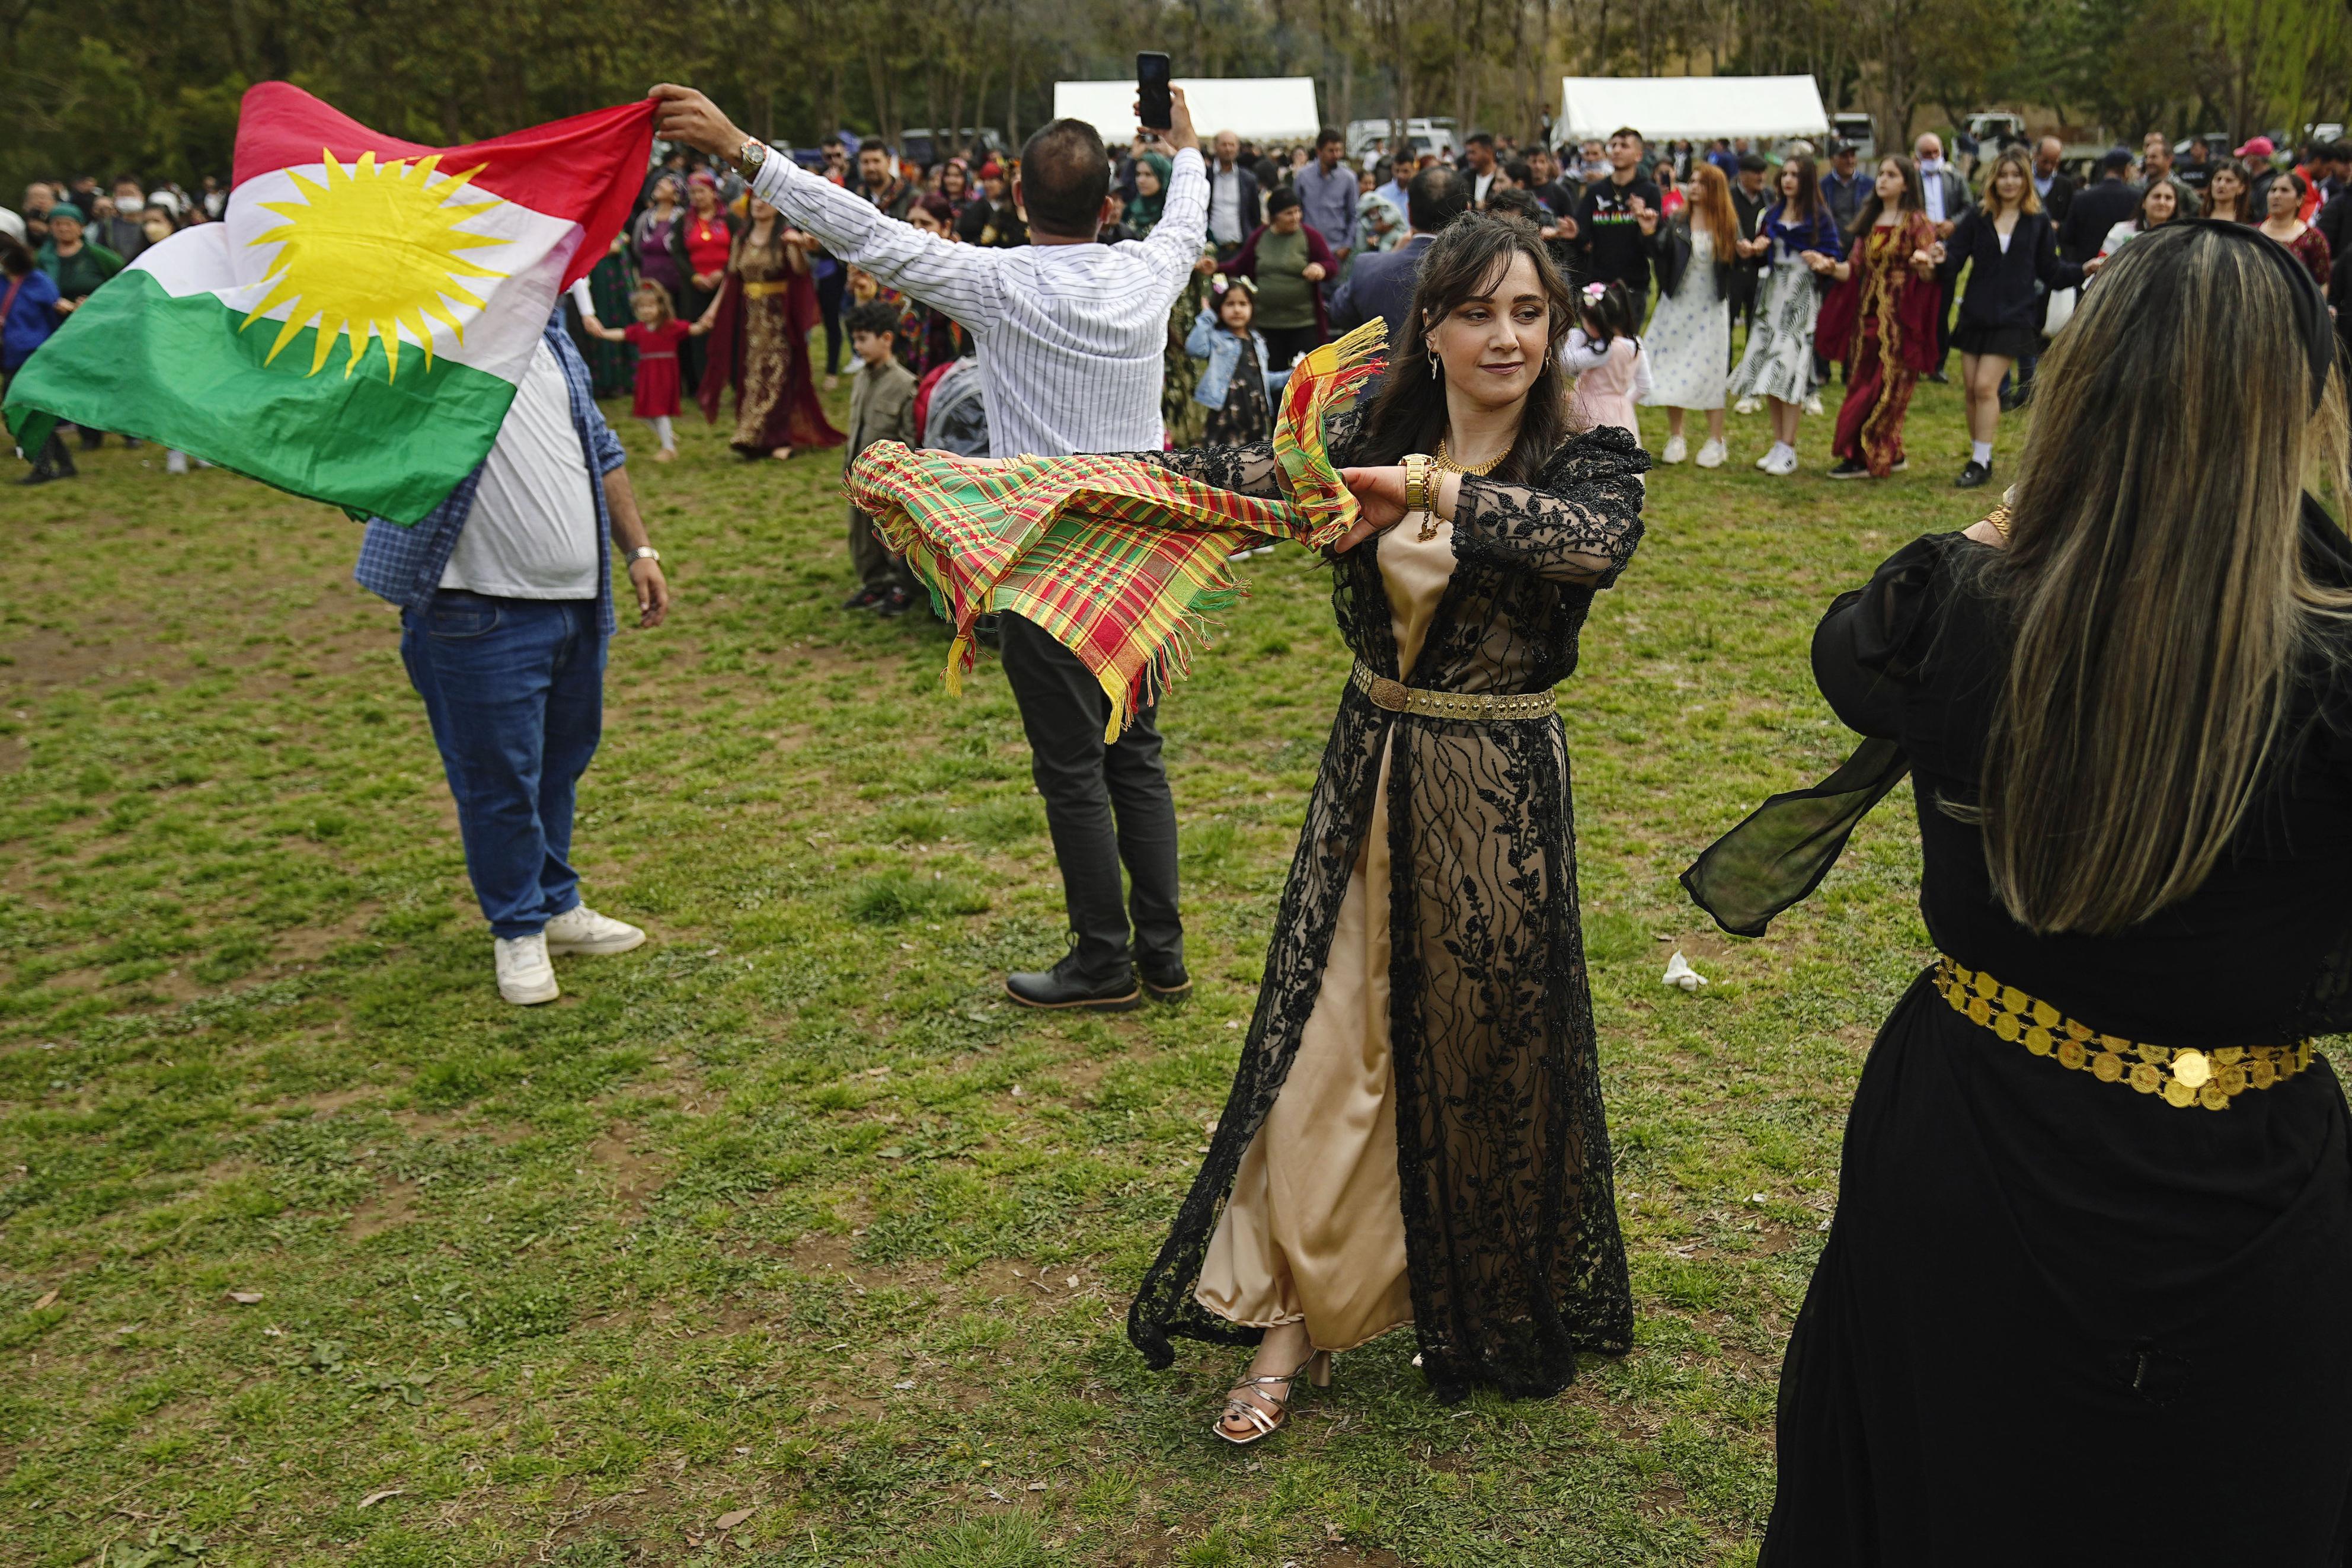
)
(405, 564)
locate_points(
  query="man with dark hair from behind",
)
(1071, 334)
(1381, 283)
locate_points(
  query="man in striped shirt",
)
(1071, 334)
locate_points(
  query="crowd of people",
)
(2094, 1172)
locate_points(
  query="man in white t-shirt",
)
(506, 602)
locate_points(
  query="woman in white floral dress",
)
(1779, 363)
(1689, 339)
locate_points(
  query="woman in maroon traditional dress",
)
(759, 343)
(1880, 320)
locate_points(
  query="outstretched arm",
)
(960, 280)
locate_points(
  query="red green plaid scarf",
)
(1119, 560)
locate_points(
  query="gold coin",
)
(2071, 1052)
(2037, 1040)
(1985, 985)
(2262, 1073)
(2005, 1026)
(2146, 1078)
(1979, 1013)
(2175, 1092)
(2045, 1014)
(2228, 1054)
(2213, 1099)
(2190, 1067)
(2107, 1066)
(2013, 999)
(2233, 1079)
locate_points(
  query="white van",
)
(1369, 140)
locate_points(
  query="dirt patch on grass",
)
(635, 1174)
(389, 1208)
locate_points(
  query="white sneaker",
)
(580, 929)
(1786, 466)
(525, 977)
(1813, 404)
(1746, 405)
(1765, 462)
(175, 461)
(1711, 455)
(1675, 450)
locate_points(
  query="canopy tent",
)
(1257, 109)
(1691, 109)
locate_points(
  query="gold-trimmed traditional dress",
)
(759, 345)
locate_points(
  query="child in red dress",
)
(657, 334)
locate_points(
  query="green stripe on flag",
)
(176, 371)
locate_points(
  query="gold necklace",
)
(1444, 461)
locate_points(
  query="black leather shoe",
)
(1851, 468)
(1065, 987)
(1973, 476)
(1166, 982)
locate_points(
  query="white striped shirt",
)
(1071, 337)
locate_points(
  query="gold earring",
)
(1431, 350)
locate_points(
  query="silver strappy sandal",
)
(1250, 1399)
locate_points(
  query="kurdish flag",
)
(353, 330)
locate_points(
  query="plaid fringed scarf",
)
(1119, 560)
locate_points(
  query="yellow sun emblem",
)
(373, 250)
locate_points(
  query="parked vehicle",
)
(1858, 129)
(1371, 138)
(923, 146)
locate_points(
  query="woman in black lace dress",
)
(2085, 1298)
(1415, 1133)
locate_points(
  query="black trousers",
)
(1284, 345)
(832, 291)
(1107, 805)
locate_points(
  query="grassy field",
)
(785, 1240)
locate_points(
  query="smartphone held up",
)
(1154, 106)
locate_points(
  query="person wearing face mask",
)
(1944, 195)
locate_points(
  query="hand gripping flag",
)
(354, 329)
(1120, 560)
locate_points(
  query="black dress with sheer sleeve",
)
(2075, 1308)
(1513, 1255)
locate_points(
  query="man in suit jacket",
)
(2052, 184)
(1749, 196)
(1235, 210)
(2098, 207)
(1947, 197)
(1382, 283)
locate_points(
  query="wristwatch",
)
(1419, 468)
(645, 552)
(751, 155)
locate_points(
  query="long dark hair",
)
(14, 259)
(1467, 260)
(1912, 200)
(1808, 199)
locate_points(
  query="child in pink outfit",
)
(1611, 372)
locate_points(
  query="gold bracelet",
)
(1417, 470)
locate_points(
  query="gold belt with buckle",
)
(766, 290)
(1398, 697)
(2183, 1077)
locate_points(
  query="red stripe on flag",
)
(586, 169)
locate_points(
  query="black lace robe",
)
(1514, 1257)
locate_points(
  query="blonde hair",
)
(2160, 609)
(2028, 201)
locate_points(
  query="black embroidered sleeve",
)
(1248, 470)
(1580, 523)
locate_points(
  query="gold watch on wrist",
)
(645, 552)
(1419, 468)
(750, 156)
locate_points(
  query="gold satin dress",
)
(1314, 1231)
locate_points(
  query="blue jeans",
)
(515, 690)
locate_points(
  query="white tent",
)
(1691, 109)
(1257, 108)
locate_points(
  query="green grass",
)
(789, 1211)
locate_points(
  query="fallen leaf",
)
(730, 1521)
(903, 1386)
(1036, 1486)
(245, 1298)
(374, 1497)
(47, 1302)
(1072, 1282)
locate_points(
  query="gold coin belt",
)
(2181, 1078)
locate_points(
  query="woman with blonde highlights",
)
(2094, 1228)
